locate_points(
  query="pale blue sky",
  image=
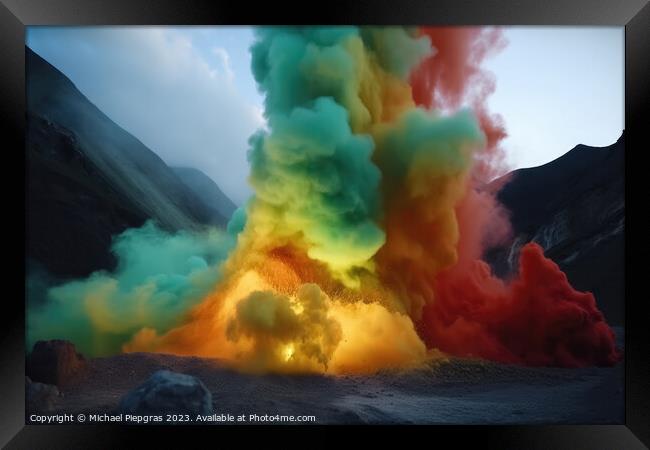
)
(557, 87)
(188, 93)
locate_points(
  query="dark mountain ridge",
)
(574, 207)
(88, 179)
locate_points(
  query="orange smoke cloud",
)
(271, 319)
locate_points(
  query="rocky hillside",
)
(575, 208)
(207, 190)
(88, 179)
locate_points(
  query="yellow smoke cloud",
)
(255, 324)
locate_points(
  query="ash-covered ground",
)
(457, 391)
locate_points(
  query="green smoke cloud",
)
(420, 140)
(398, 49)
(314, 180)
(313, 177)
(159, 277)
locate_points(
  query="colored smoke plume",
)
(158, 278)
(454, 76)
(361, 247)
(537, 319)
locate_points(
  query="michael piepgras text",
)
(169, 418)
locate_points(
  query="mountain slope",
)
(574, 207)
(72, 209)
(88, 179)
(207, 190)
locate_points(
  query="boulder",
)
(40, 397)
(167, 392)
(54, 362)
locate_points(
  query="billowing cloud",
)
(159, 277)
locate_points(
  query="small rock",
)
(54, 362)
(40, 397)
(168, 392)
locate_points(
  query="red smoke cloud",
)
(536, 319)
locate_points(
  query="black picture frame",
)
(15, 15)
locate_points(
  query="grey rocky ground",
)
(450, 392)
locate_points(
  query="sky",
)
(188, 93)
(557, 87)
